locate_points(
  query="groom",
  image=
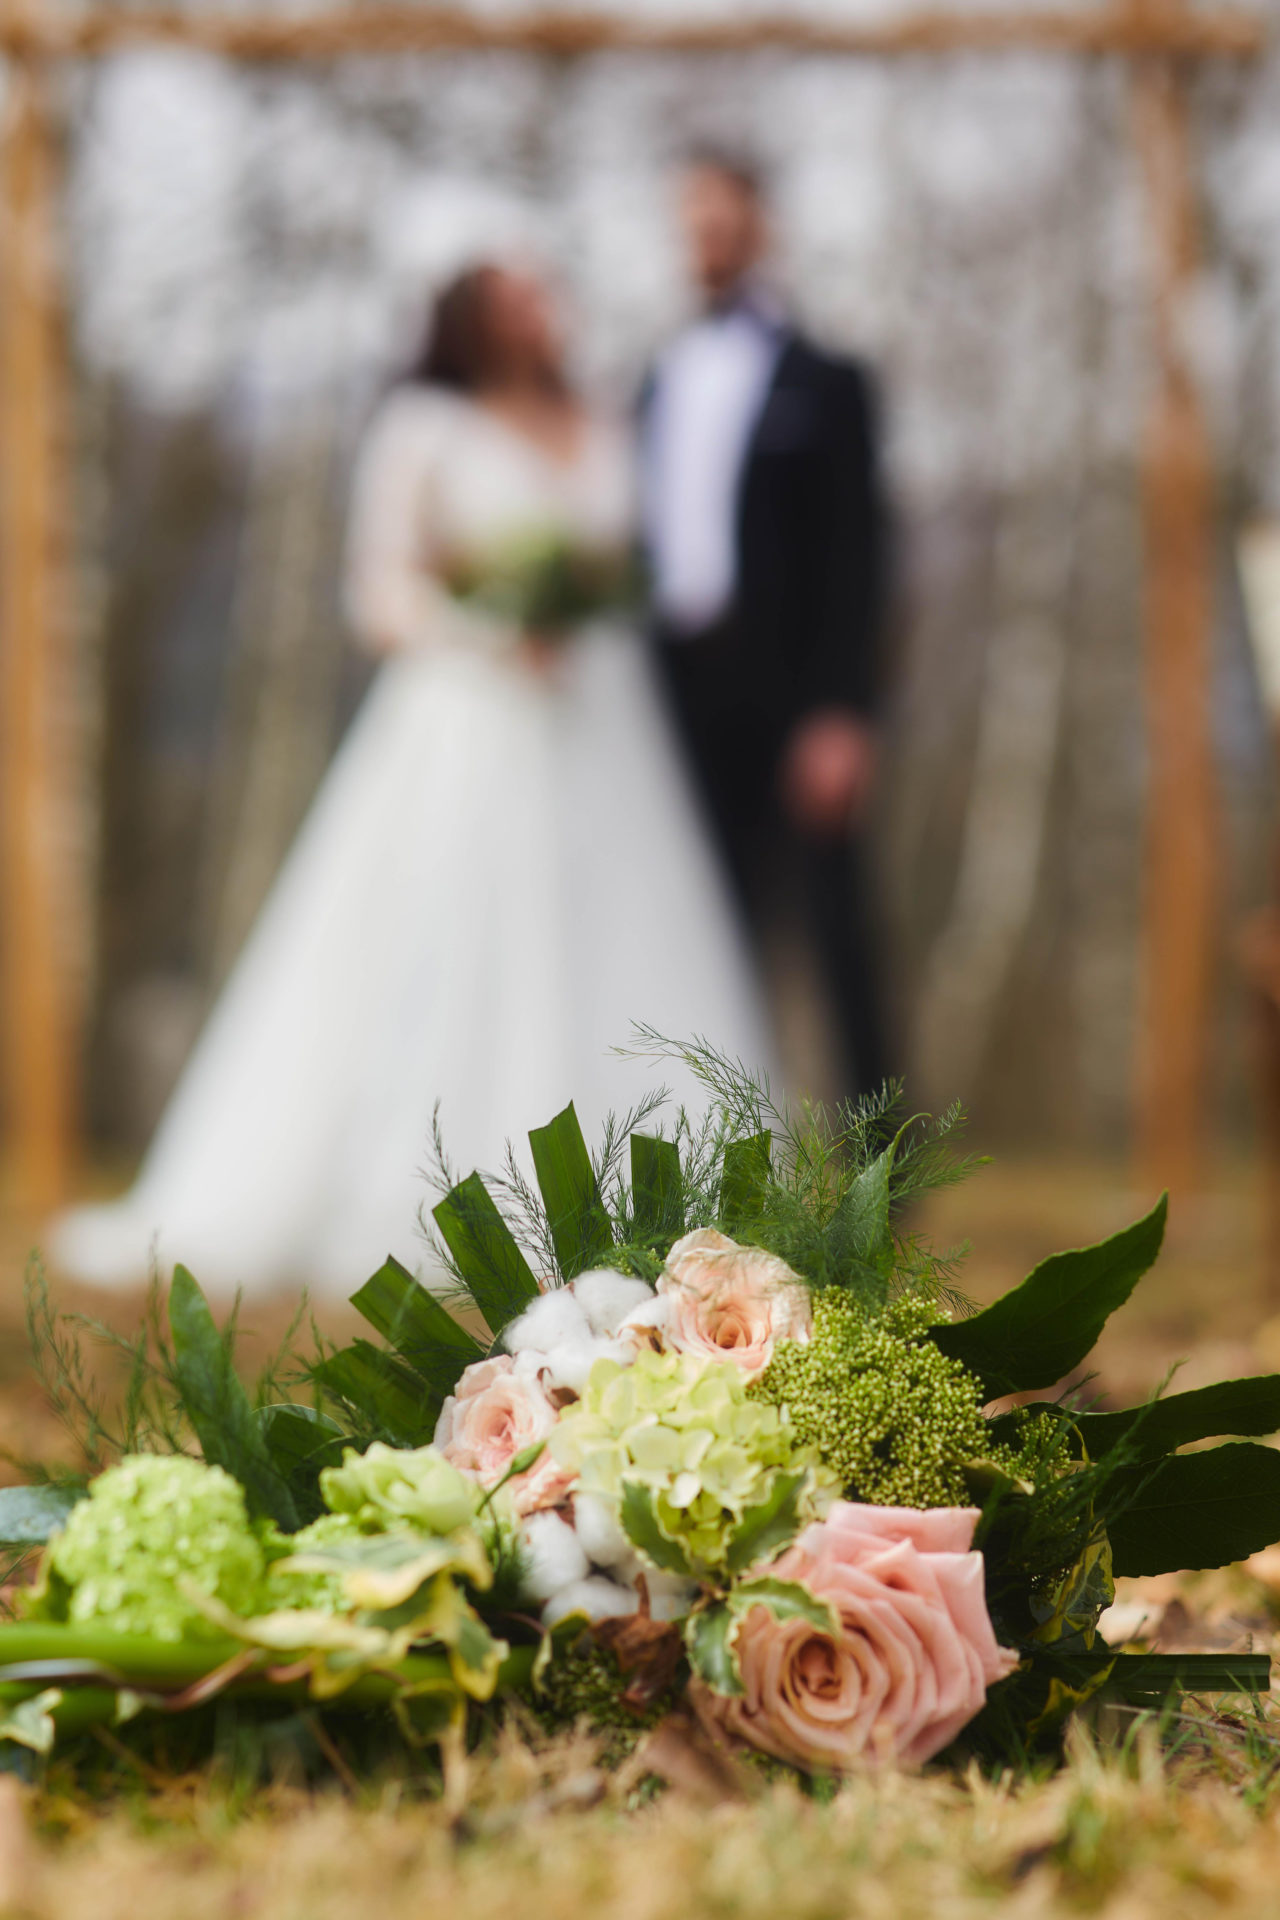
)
(766, 540)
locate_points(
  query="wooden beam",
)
(1181, 901)
(346, 30)
(36, 1029)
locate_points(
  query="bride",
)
(501, 872)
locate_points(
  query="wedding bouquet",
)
(543, 582)
(704, 1439)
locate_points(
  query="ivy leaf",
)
(708, 1639)
(639, 1516)
(786, 1600)
(219, 1408)
(1195, 1509)
(765, 1528)
(1036, 1334)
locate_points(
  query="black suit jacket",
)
(812, 538)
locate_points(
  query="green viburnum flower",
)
(390, 1487)
(153, 1529)
(324, 1592)
(684, 1431)
(893, 1417)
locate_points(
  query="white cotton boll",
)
(600, 1533)
(569, 1364)
(607, 1298)
(651, 1316)
(598, 1598)
(553, 1556)
(549, 1322)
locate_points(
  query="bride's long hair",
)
(461, 349)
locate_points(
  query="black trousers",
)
(733, 732)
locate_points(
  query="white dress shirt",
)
(709, 389)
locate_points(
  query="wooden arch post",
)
(1180, 878)
(36, 1035)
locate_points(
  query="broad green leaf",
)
(638, 1514)
(219, 1408)
(386, 1393)
(580, 1230)
(1043, 1329)
(499, 1279)
(656, 1190)
(1194, 1509)
(31, 1515)
(300, 1441)
(1230, 1407)
(420, 1328)
(765, 1528)
(708, 1639)
(785, 1600)
(743, 1181)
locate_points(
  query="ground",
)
(1183, 1824)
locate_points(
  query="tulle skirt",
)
(502, 872)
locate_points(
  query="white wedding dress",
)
(500, 874)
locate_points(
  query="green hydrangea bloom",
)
(685, 1429)
(148, 1526)
(388, 1487)
(893, 1417)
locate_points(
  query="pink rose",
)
(493, 1414)
(913, 1659)
(728, 1302)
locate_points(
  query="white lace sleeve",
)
(394, 601)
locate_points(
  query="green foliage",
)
(487, 1259)
(580, 1227)
(1044, 1329)
(218, 1407)
(414, 1323)
(657, 1191)
(300, 1442)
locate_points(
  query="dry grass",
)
(1123, 1834)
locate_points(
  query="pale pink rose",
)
(493, 1414)
(913, 1659)
(728, 1302)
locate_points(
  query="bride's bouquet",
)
(543, 581)
(703, 1446)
